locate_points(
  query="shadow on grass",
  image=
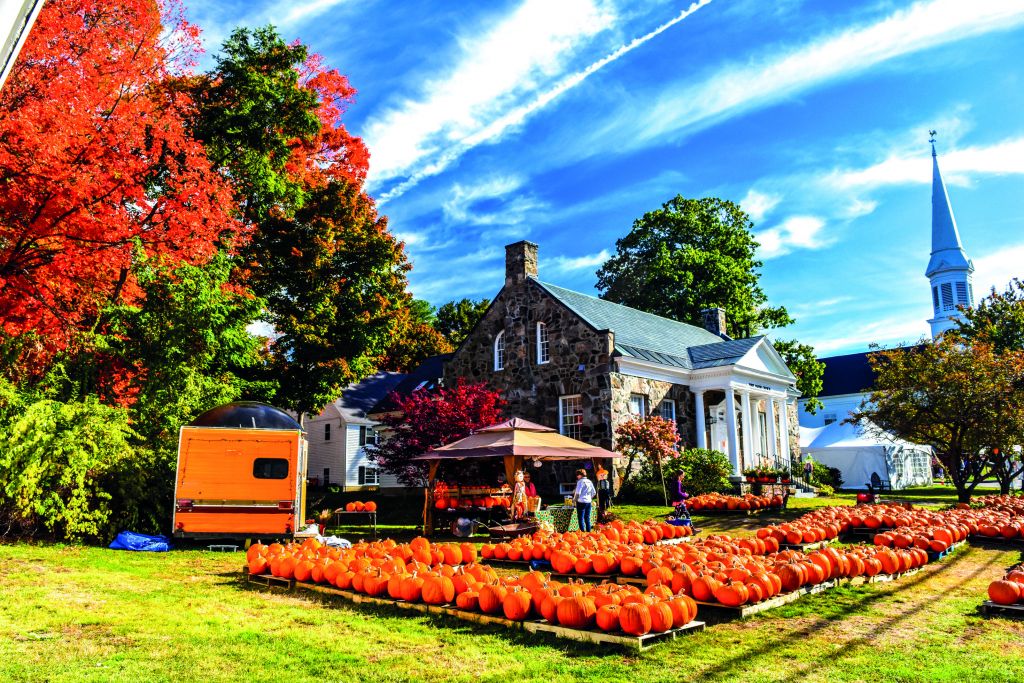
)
(784, 638)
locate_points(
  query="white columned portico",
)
(730, 419)
(773, 440)
(702, 422)
(748, 432)
(785, 431)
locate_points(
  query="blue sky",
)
(562, 122)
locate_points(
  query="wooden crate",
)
(269, 580)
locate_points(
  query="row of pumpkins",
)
(718, 501)
(393, 570)
(450, 502)
(360, 506)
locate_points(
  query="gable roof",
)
(358, 400)
(723, 352)
(638, 334)
(427, 375)
(849, 374)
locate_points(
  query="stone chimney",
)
(520, 262)
(714, 320)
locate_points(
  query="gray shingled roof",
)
(358, 399)
(650, 337)
(722, 353)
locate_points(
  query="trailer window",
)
(270, 468)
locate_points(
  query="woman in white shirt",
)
(583, 496)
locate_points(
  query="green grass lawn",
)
(91, 614)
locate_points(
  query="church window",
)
(830, 418)
(499, 351)
(542, 344)
(935, 298)
(961, 293)
(947, 297)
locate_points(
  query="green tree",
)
(689, 255)
(456, 319)
(810, 373)
(997, 319)
(331, 276)
(334, 280)
(962, 399)
(694, 254)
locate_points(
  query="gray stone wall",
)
(580, 360)
(794, 429)
(656, 391)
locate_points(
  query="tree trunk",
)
(629, 471)
(661, 474)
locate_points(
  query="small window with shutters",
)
(368, 476)
(961, 293)
(327, 432)
(947, 296)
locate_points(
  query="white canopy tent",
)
(857, 450)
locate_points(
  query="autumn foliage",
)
(95, 156)
(426, 419)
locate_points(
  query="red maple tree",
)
(425, 420)
(95, 158)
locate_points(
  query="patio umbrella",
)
(515, 440)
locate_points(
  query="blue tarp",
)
(129, 540)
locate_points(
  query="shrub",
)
(825, 490)
(63, 467)
(830, 476)
(706, 471)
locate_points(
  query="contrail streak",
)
(516, 116)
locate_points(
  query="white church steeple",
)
(949, 269)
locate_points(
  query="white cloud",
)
(758, 205)
(1001, 158)
(796, 232)
(494, 71)
(463, 206)
(997, 269)
(568, 264)
(739, 88)
(503, 122)
(888, 331)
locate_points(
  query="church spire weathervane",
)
(931, 139)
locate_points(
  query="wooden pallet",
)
(997, 541)
(541, 626)
(725, 511)
(1015, 611)
(744, 611)
(269, 580)
(681, 539)
(933, 556)
(880, 578)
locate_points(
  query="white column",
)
(785, 431)
(773, 437)
(702, 421)
(730, 416)
(745, 460)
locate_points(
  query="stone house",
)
(584, 366)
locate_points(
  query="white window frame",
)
(671, 403)
(543, 346)
(368, 436)
(643, 405)
(499, 351)
(829, 418)
(371, 476)
(573, 429)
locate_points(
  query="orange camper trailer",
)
(241, 473)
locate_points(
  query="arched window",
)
(542, 344)
(499, 351)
